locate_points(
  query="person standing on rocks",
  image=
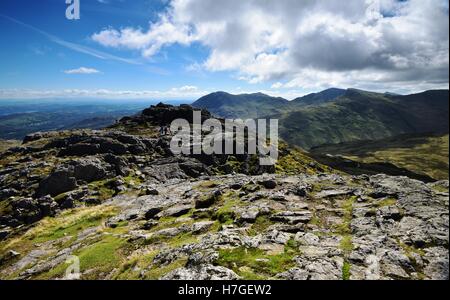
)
(162, 130)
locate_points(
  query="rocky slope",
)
(127, 208)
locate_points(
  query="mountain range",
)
(334, 121)
(335, 115)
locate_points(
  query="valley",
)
(422, 154)
(19, 118)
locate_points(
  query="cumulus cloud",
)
(82, 70)
(385, 44)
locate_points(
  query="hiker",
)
(162, 130)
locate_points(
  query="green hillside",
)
(6, 144)
(241, 106)
(360, 115)
(335, 116)
(427, 155)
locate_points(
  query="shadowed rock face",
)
(133, 203)
(164, 114)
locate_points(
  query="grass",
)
(233, 164)
(130, 268)
(206, 185)
(316, 220)
(5, 207)
(440, 188)
(228, 202)
(156, 272)
(132, 180)
(57, 272)
(101, 257)
(68, 224)
(71, 223)
(346, 243)
(293, 161)
(386, 202)
(409, 251)
(346, 270)
(182, 239)
(260, 225)
(420, 154)
(344, 227)
(102, 188)
(6, 144)
(178, 240)
(253, 263)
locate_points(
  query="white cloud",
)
(388, 44)
(277, 85)
(176, 93)
(160, 34)
(187, 89)
(82, 70)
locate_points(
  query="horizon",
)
(192, 100)
(175, 50)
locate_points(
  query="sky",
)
(184, 49)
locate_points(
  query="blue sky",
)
(30, 60)
(176, 49)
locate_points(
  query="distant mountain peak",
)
(251, 105)
(321, 97)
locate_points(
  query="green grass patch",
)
(251, 262)
(102, 187)
(182, 239)
(316, 220)
(227, 203)
(344, 227)
(440, 188)
(346, 243)
(5, 207)
(101, 257)
(420, 154)
(261, 224)
(55, 228)
(156, 272)
(132, 180)
(346, 270)
(386, 202)
(68, 223)
(131, 268)
(206, 185)
(293, 161)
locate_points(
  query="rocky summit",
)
(118, 204)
